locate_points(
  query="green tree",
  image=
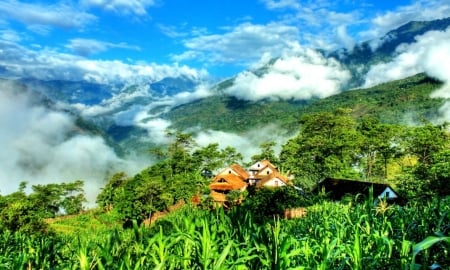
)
(429, 145)
(179, 153)
(267, 152)
(208, 157)
(327, 145)
(230, 155)
(108, 195)
(378, 146)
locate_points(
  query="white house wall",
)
(388, 193)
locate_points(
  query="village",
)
(264, 174)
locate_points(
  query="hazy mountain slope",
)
(363, 55)
(399, 101)
(393, 102)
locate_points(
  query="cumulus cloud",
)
(306, 75)
(241, 44)
(45, 64)
(40, 146)
(123, 7)
(87, 47)
(38, 15)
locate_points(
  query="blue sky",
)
(87, 39)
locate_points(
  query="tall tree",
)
(379, 144)
(327, 145)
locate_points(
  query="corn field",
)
(331, 236)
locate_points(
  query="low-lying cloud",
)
(430, 54)
(306, 75)
(42, 146)
(245, 143)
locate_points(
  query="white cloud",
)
(247, 143)
(10, 35)
(422, 10)
(280, 4)
(344, 38)
(156, 128)
(87, 47)
(52, 65)
(40, 146)
(303, 76)
(39, 15)
(242, 44)
(430, 53)
(123, 7)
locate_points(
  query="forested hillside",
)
(398, 102)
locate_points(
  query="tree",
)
(230, 155)
(327, 145)
(179, 153)
(208, 157)
(379, 144)
(430, 146)
(423, 141)
(108, 195)
(267, 152)
(52, 199)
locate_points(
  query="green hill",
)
(393, 102)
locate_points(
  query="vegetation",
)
(47, 227)
(398, 102)
(331, 236)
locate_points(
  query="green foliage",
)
(327, 145)
(26, 213)
(266, 203)
(331, 236)
(397, 102)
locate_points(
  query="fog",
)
(42, 146)
(430, 54)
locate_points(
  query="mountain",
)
(122, 113)
(363, 55)
(69, 91)
(399, 101)
(171, 86)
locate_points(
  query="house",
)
(274, 179)
(231, 178)
(339, 188)
(261, 174)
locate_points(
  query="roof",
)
(236, 168)
(258, 166)
(227, 182)
(241, 171)
(271, 176)
(340, 187)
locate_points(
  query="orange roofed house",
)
(262, 174)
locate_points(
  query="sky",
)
(123, 40)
